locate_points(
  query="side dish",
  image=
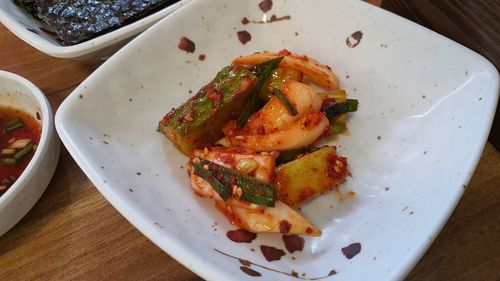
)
(19, 136)
(75, 21)
(250, 135)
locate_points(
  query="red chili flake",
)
(328, 102)
(309, 230)
(293, 243)
(285, 226)
(188, 117)
(351, 250)
(241, 236)
(317, 119)
(306, 123)
(219, 176)
(212, 95)
(266, 5)
(284, 52)
(250, 271)
(237, 150)
(168, 116)
(272, 253)
(202, 57)
(186, 45)
(327, 132)
(333, 170)
(244, 36)
(227, 159)
(233, 180)
(261, 130)
(305, 194)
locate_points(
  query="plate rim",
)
(183, 254)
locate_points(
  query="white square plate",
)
(426, 107)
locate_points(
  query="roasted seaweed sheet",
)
(76, 21)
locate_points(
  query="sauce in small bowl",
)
(19, 138)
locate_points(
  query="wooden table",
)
(74, 233)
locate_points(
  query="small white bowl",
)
(30, 30)
(18, 92)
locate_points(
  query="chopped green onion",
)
(207, 175)
(8, 161)
(352, 104)
(286, 102)
(267, 67)
(8, 151)
(13, 124)
(252, 190)
(21, 153)
(337, 127)
(338, 108)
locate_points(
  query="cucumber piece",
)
(199, 121)
(310, 175)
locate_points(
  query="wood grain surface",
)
(73, 233)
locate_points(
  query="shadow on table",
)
(58, 196)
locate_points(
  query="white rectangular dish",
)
(426, 107)
(33, 32)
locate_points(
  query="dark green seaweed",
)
(76, 21)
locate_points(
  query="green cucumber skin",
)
(227, 82)
(216, 103)
(263, 70)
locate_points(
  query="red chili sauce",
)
(19, 137)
